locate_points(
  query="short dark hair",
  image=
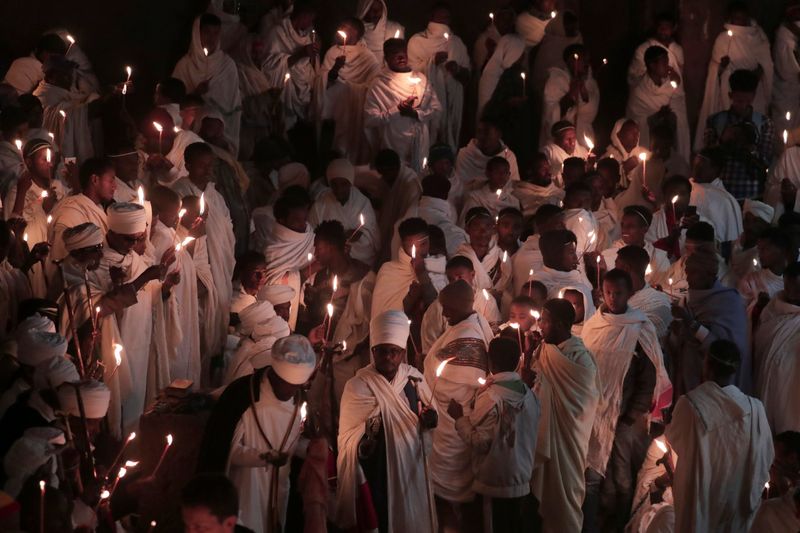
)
(299, 192)
(51, 43)
(412, 226)
(287, 203)
(196, 150)
(476, 213)
(332, 232)
(460, 261)
(744, 81)
(653, 54)
(636, 256)
(676, 181)
(391, 46)
(504, 354)
(214, 492)
(610, 164)
(523, 299)
(172, 88)
(209, 19)
(544, 215)
(162, 197)
(552, 243)
(560, 126)
(778, 238)
(714, 156)
(437, 239)
(492, 121)
(641, 213)
(191, 100)
(790, 441)
(11, 118)
(387, 158)
(357, 23)
(436, 187)
(577, 163)
(496, 162)
(561, 310)
(616, 275)
(701, 231)
(576, 188)
(509, 212)
(94, 166)
(724, 357)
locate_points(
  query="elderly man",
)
(568, 387)
(724, 448)
(386, 412)
(462, 345)
(253, 431)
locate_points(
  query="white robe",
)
(617, 151)
(68, 213)
(436, 212)
(582, 116)
(222, 75)
(532, 197)
(583, 224)
(24, 74)
(719, 207)
(777, 365)
(724, 448)
(327, 207)
(778, 514)
(175, 156)
(488, 198)
(422, 50)
(287, 252)
(387, 128)
(556, 157)
(11, 165)
(659, 262)
(404, 193)
(409, 497)
(282, 43)
(248, 471)
(434, 323)
(787, 77)
(556, 281)
(509, 49)
(527, 258)
(480, 49)
(72, 134)
(568, 387)
(656, 306)
(470, 169)
(450, 459)
(608, 217)
(612, 340)
(255, 350)
(551, 50)
(14, 288)
(754, 283)
(747, 48)
(375, 34)
(493, 260)
(221, 244)
(531, 28)
(343, 100)
(392, 284)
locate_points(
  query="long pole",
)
(71, 318)
(424, 456)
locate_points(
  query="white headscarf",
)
(53, 372)
(390, 327)
(126, 218)
(35, 347)
(293, 359)
(95, 396)
(82, 236)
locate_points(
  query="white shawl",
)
(719, 207)
(436, 212)
(655, 305)
(491, 261)
(470, 170)
(72, 134)
(509, 49)
(527, 258)
(532, 196)
(581, 116)
(488, 198)
(556, 281)
(377, 34)
(556, 157)
(392, 284)
(327, 207)
(787, 76)
(551, 50)
(287, 252)
(531, 28)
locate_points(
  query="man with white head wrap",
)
(757, 218)
(281, 298)
(52, 373)
(386, 408)
(84, 247)
(31, 454)
(209, 71)
(253, 431)
(345, 203)
(259, 328)
(377, 27)
(563, 144)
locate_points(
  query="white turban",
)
(253, 315)
(127, 218)
(94, 394)
(274, 327)
(390, 327)
(293, 359)
(276, 294)
(53, 372)
(23, 459)
(759, 209)
(35, 347)
(82, 236)
(293, 174)
(35, 322)
(341, 168)
(51, 434)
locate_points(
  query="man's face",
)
(89, 257)
(567, 140)
(769, 255)
(105, 185)
(509, 229)
(741, 101)
(739, 18)
(340, 188)
(374, 12)
(323, 252)
(521, 314)
(580, 200)
(481, 231)
(254, 278)
(664, 31)
(124, 244)
(487, 137)
(569, 258)
(576, 299)
(387, 359)
(200, 520)
(442, 167)
(550, 328)
(660, 67)
(209, 37)
(169, 215)
(540, 173)
(296, 219)
(457, 273)
(200, 167)
(633, 229)
(389, 174)
(304, 22)
(454, 312)
(616, 295)
(397, 61)
(498, 176)
(39, 166)
(421, 242)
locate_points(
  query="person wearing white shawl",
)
(404, 189)
(570, 93)
(528, 258)
(560, 267)
(378, 28)
(401, 106)
(655, 304)
(66, 113)
(403, 280)
(510, 48)
(259, 328)
(536, 187)
(532, 23)
(288, 247)
(486, 43)
(494, 195)
(386, 416)
(208, 71)
(742, 45)
(442, 56)
(232, 31)
(25, 73)
(463, 346)
(219, 229)
(568, 387)
(291, 62)
(713, 201)
(32, 455)
(470, 170)
(756, 218)
(341, 88)
(253, 432)
(778, 513)
(434, 322)
(561, 33)
(13, 127)
(278, 10)
(785, 107)
(655, 100)
(563, 145)
(634, 382)
(625, 149)
(345, 203)
(579, 219)
(165, 160)
(635, 223)
(492, 265)
(32, 198)
(757, 288)
(782, 189)
(775, 361)
(718, 486)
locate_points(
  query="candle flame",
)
(131, 464)
(44, 195)
(131, 436)
(648, 270)
(169, 439)
(205, 51)
(588, 141)
(63, 113)
(49, 218)
(414, 80)
(605, 61)
(553, 14)
(788, 115)
(491, 16)
(159, 128)
(25, 236)
(361, 218)
(18, 144)
(125, 88)
(335, 283)
(505, 256)
(397, 34)
(152, 523)
(303, 411)
(202, 203)
(661, 445)
(41, 485)
(181, 213)
(481, 381)
(71, 39)
(674, 84)
(785, 136)
(522, 75)
(122, 472)
(52, 137)
(105, 494)
(593, 237)
(118, 354)
(413, 251)
(128, 71)
(674, 199)
(755, 262)
(643, 156)
(730, 33)
(575, 57)
(766, 485)
(485, 294)
(48, 155)
(446, 35)
(186, 241)
(178, 247)
(310, 257)
(329, 307)
(535, 314)
(498, 192)
(514, 325)
(286, 78)
(530, 272)
(440, 368)
(344, 346)
(140, 194)
(670, 282)
(343, 35)
(176, 129)
(597, 260)
(561, 294)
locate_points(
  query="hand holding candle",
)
(163, 454)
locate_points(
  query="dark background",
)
(151, 35)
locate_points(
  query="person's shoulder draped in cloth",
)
(377, 27)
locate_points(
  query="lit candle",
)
(530, 285)
(343, 35)
(439, 370)
(553, 14)
(18, 144)
(674, 201)
(117, 359)
(129, 71)
(181, 213)
(730, 40)
(414, 81)
(785, 137)
(120, 474)
(667, 454)
(25, 236)
(160, 129)
(522, 75)
(49, 155)
(41, 505)
(329, 308)
(643, 159)
(361, 225)
(202, 203)
(605, 61)
(446, 36)
(670, 286)
(597, 262)
(589, 142)
(397, 34)
(49, 218)
(286, 78)
(140, 195)
(152, 526)
(515, 325)
(561, 294)
(491, 17)
(788, 116)
(413, 251)
(413, 342)
(535, 314)
(303, 412)
(124, 446)
(43, 195)
(163, 454)
(648, 271)
(424, 162)
(755, 263)
(71, 40)
(673, 84)
(481, 381)
(505, 256)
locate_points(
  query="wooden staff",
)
(91, 316)
(71, 317)
(82, 411)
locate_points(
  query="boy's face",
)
(540, 173)
(509, 229)
(660, 67)
(457, 273)
(209, 37)
(200, 520)
(498, 176)
(200, 167)
(741, 101)
(576, 299)
(616, 295)
(296, 219)
(769, 255)
(169, 215)
(569, 258)
(442, 167)
(521, 314)
(340, 188)
(481, 231)
(397, 61)
(633, 229)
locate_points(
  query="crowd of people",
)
(458, 315)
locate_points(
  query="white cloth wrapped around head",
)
(35, 347)
(35, 322)
(389, 327)
(53, 372)
(26, 456)
(82, 236)
(95, 396)
(253, 315)
(127, 218)
(293, 359)
(759, 209)
(341, 168)
(276, 294)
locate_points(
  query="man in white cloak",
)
(209, 72)
(713, 201)
(560, 267)
(654, 304)
(400, 108)
(25, 73)
(724, 447)
(165, 147)
(785, 104)
(528, 259)
(386, 414)
(378, 27)
(510, 50)
(442, 56)
(470, 170)
(253, 432)
(775, 253)
(532, 23)
(563, 145)
(259, 327)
